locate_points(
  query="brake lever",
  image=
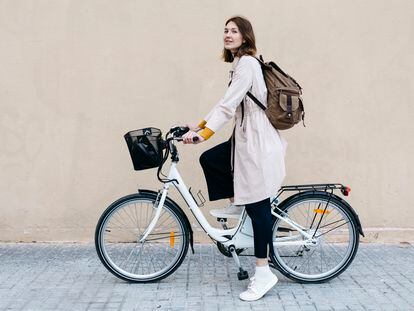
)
(179, 130)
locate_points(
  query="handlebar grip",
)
(195, 139)
(179, 131)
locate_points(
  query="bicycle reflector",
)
(345, 190)
(172, 235)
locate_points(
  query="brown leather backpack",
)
(284, 104)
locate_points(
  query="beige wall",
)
(76, 75)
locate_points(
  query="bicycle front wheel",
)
(334, 228)
(118, 234)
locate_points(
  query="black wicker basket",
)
(145, 147)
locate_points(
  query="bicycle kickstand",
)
(242, 274)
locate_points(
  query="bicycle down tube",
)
(216, 234)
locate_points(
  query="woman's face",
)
(232, 37)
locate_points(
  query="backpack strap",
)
(256, 100)
(252, 98)
(273, 64)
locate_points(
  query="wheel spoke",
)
(332, 229)
(157, 256)
(334, 239)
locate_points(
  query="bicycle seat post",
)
(223, 222)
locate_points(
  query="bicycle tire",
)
(120, 248)
(277, 257)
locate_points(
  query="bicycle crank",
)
(242, 274)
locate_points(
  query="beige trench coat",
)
(259, 166)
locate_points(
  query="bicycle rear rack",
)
(315, 187)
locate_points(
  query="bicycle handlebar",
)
(179, 131)
(195, 139)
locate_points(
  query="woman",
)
(249, 168)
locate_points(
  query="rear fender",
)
(285, 202)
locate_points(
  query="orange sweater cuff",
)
(206, 133)
(202, 124)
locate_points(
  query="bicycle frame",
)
(241, 236)
(120, 243)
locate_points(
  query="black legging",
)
(217, 171)
(259, 213)
(216, 164)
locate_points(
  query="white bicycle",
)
(145, 236)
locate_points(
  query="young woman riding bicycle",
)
(249, 168)
(310, 236)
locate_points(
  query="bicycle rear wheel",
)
(121, 227)
(330, 220)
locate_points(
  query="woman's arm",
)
(226, 107)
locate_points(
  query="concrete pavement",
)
(43, 276)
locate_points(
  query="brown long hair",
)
(246, 30)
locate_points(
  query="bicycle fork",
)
(157, 213)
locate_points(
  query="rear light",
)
(345, 190)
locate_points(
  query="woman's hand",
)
(188, 138)
(193, 126)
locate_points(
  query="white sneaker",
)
(258, 287)
(231, 211)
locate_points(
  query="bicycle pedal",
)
(242, 275)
